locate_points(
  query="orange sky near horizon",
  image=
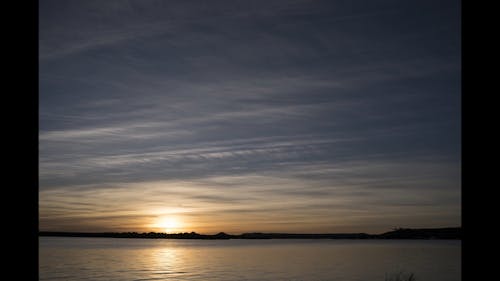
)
(185, 206)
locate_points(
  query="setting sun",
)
(168, 224)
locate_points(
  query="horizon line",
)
(252, 232)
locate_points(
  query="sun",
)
(168, 224)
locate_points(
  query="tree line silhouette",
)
(398, 233)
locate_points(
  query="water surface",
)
(113, 259)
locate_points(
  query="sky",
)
(249, 116)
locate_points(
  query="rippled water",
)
(109, 259)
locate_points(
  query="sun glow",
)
(168, 224)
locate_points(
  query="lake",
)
(113, 259)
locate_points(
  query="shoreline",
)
(449, 233)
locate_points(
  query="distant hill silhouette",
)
(399, 233)
(423, 233)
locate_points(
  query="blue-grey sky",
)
(290, 116)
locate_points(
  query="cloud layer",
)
(238, 116)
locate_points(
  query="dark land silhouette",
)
(399, 233)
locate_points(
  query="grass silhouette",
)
(400, 276)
